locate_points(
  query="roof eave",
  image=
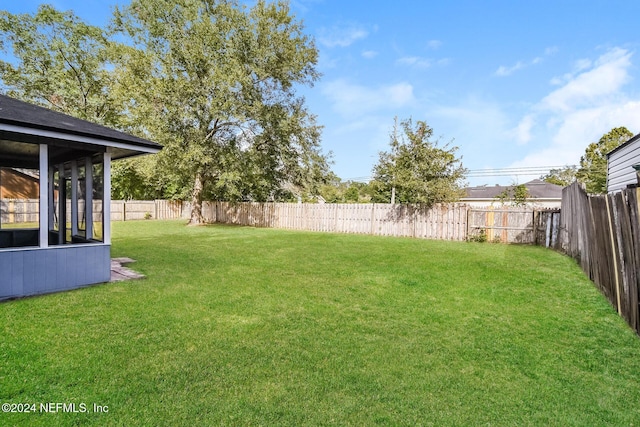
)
(30, 134)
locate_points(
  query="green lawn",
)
(244, 326)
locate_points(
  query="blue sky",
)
(512, 83)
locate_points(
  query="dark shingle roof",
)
(20, 113)
(537, 190)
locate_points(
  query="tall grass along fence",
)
(602, 234)
(455, 221)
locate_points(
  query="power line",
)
(489, 172)
(517, 171)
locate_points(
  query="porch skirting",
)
(34, 271)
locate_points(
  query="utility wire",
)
(475, 173)
(519, 171)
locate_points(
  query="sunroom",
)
(62, 239)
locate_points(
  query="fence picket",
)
(602, 234)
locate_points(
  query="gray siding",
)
(34, 271)
(619, 167)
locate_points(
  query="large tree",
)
(416, 169)
(593, 164)
(55, 60)
(215, 82)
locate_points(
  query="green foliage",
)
(337, 191)
(215, 83)
(518, 195)
(479, 237)
(418, 169)
(564, 176)
(593, 164)
(59, 62)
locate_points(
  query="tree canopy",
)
(416, 169)
(516, 194)
(593, 164)
(214, 81)
(59, 62)
(563, 176)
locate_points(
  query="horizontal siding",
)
(36, 271)
(619, 167)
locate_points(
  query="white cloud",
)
(414, 61)
(592, 86)
(551, 50)
(341, 36)
(589, 103)
(523, 130)
(503, 71)
(582, 64)
(434, 44)
(369, 54)
(355, 100)
(579, 65)
(480, 128)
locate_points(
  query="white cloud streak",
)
(414, 62)
(503, 71)
(434, 44)
(590, 102)
(593, 86)
(352, 100)
(341, 36)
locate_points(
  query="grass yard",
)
(244, 326)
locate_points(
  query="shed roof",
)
(537, 190)
(24, 122)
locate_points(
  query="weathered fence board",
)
(603, 234)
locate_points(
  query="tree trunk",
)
(196, 202)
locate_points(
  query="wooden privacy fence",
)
(447, 222)
(19, 210)
(602, 234)
(128, 210)
(456, 221)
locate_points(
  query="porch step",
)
(120, 273)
